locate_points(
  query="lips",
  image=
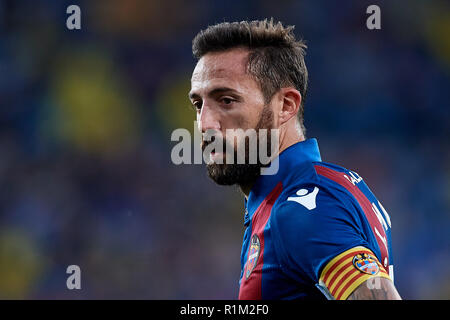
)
(215, 156)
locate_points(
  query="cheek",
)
(245, 117)
(241, 121)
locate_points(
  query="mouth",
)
(216, 157)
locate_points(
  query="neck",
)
(285, 142)
(245, 189)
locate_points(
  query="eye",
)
(227, 100)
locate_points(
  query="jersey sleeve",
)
(344, 273)
(319, 238)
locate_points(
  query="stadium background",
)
(85, 124)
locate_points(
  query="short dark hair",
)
(276, 58)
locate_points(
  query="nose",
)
(208, 119)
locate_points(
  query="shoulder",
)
(313, 215)
(310, 207)
(312, 188)
(317, 187)
(327, 174)
(311, 225)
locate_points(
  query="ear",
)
(291, 100)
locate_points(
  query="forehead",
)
(220, 68)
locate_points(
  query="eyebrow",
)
(213, 92)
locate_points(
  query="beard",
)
(246, 173)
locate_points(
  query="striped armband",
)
(345, 272)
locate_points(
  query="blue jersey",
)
(314, 230)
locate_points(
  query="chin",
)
(227, 175)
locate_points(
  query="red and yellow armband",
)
(344, 273)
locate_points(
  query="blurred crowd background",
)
(86, 117)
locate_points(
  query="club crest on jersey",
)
(366, 263)
(253, 255)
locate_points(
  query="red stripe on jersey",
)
(366, 205)
(250, 289)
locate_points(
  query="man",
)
(313, 229)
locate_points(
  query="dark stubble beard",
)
(243, 174)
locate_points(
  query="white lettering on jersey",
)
(379, 216)
(391, 272)
(308, 200)
(386, 215)
(383, 239)
(354, 177)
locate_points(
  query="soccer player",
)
(314, 230)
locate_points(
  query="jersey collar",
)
(289, 159)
